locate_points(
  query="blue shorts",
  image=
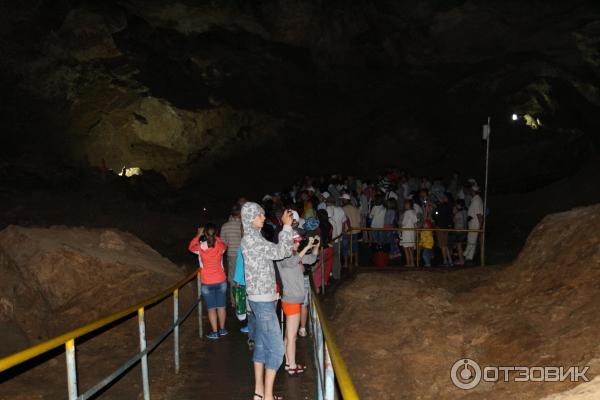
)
(268, 343)
(214, 295)
(346, 243)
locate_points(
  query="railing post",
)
(199, 298)
(144, 361)
(71, 369)
(351, 258)
(176, 329)
(418, 248)
(482, 243)
(329, 375)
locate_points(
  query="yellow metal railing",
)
(331, 367)
(68, 340)
(355, 230)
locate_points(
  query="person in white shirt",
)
(419, 212)
(377, 216)
(352, 221)
(364, 206)
(323, 201)
(475, 218)
(408, 241)
(337, 218)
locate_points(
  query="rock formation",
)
(539, 311)
(57, 279)
(185, 88)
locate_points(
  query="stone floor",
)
(222, 369)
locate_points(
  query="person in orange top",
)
(210, 249)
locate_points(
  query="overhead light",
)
(515, 117)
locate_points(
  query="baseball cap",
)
(295, 215)
(346, 196)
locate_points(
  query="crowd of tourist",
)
(317, 227)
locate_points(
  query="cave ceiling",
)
(186, 86)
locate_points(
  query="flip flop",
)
(296, 371)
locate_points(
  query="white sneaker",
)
(302, 332)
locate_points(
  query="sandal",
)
(275, 397)
(295, 371)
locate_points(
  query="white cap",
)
(267, 197)
(472, 181)
(295, 215)
(345, 196)
(310, 189)
(325, 195)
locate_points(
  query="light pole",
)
(486, 136)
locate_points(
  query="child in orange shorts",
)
(291, 270)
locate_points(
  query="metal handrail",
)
(68, 339)
(354, 230)
(332, 352)
(412, 229)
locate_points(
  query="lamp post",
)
(486, 136)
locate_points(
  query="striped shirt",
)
(231, 234)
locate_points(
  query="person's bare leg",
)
(269, 382)
(285, 343)
(259, 379)
(411, 257)
(290, 339)
(222, 314)
(409, 261)
(212, 318)
(444, 258)
(461, 258)
(303, 317)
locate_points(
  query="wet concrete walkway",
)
(223, 369)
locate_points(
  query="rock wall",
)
(401, 333)
(56, 279)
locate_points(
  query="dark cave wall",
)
(192, 87)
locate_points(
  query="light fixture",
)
(515, 117)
